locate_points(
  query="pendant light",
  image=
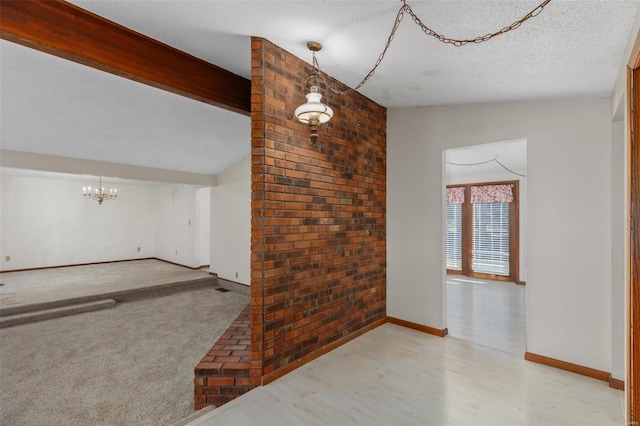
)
(314, 112)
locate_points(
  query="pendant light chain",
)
(315, 74)
(457, 42)
(405, 8)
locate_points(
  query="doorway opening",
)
(485, 244)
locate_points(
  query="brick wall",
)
(224, 372)
(318, 237)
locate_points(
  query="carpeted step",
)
(40, 315)
(125, 295)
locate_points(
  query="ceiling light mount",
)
(314, 46)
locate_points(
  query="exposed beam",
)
(65, 30)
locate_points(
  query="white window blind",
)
(490, 238)
(454, 236)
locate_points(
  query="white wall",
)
(231, 224)
(522, 185)
(618, 249)
(203, 226)
(175, 230)
(47, 222)
(568, 185)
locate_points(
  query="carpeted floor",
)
(52, 284)
(127, 365)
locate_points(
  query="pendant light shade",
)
(313, 112)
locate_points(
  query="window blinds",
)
(454, 236)
(490, 253)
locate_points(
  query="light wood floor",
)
(487, 313)
(393, 375)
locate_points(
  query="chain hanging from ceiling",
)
(494, 160)
(405, 8)
(314, 112)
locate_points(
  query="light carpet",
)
(127, 365)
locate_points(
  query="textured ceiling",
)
(51, 106)
(573, 48)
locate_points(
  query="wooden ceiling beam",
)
(67, 31)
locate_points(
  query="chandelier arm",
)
(428, 31)
(99, 194)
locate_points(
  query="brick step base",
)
(224, 373)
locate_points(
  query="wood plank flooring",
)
(487, 313)
(394, 375)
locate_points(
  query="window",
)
(490, 253)
(454, 236)
(482, 231)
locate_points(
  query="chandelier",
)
(99, 194)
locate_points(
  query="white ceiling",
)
(57, 107)
(50, 106)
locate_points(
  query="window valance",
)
(492, 194)
(455, 195)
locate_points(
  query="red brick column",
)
(318, 229)
(318, 236)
